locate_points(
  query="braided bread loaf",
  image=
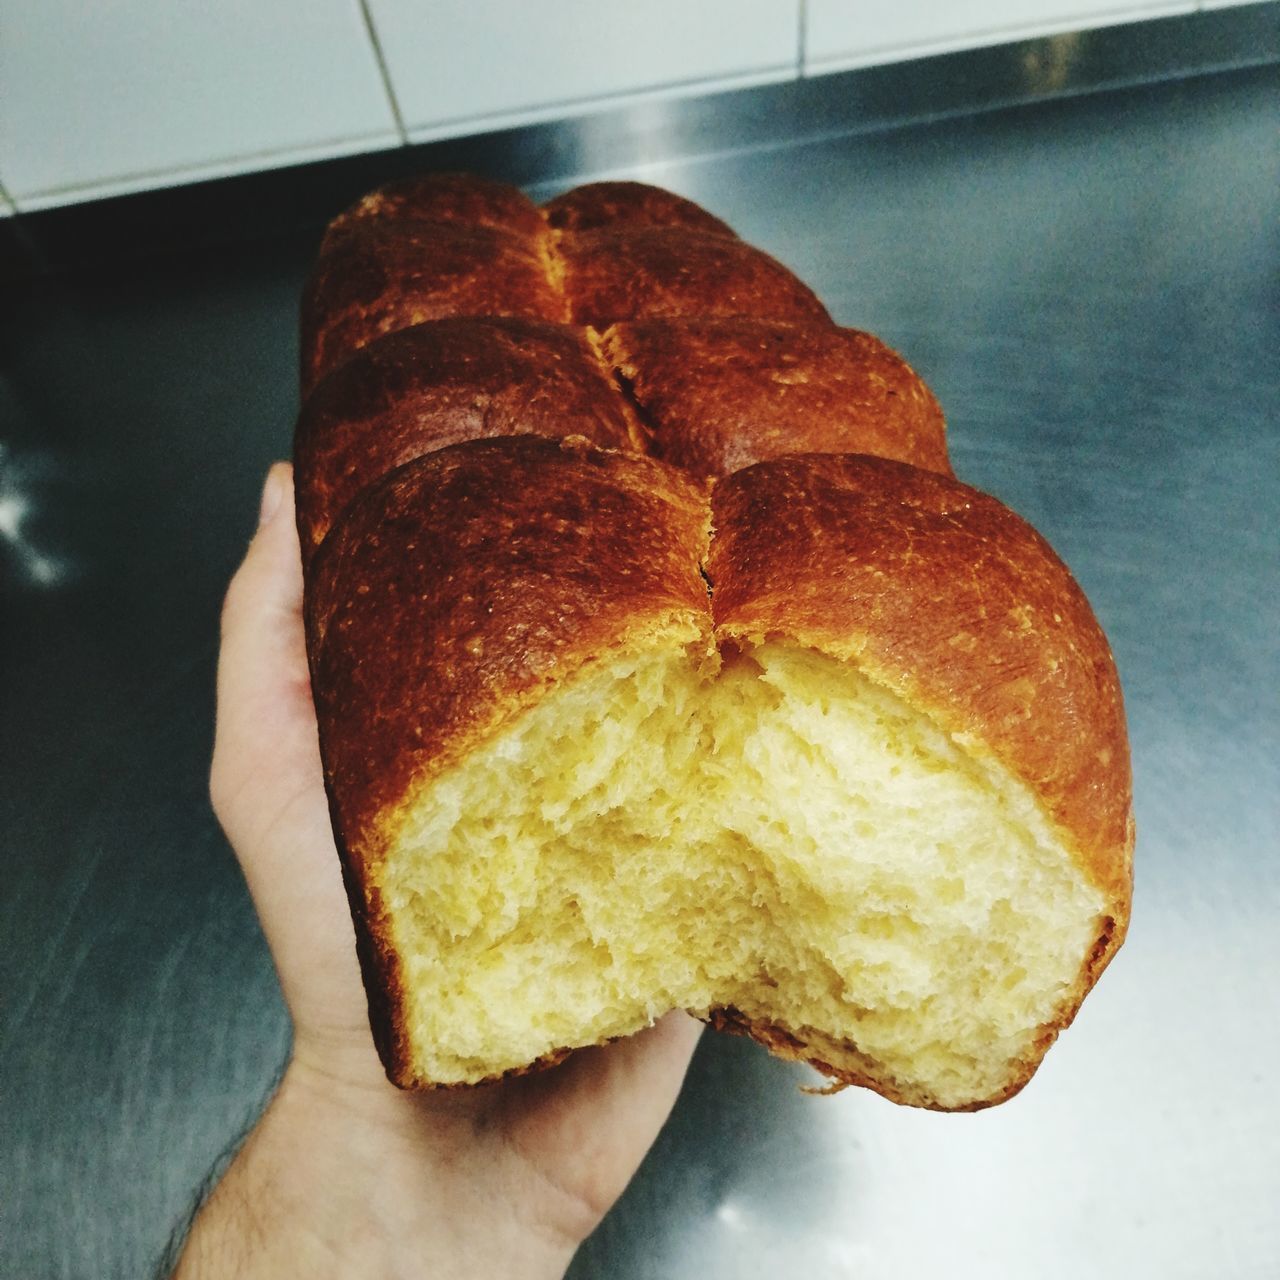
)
(659, 662)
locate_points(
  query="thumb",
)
(267, 785)
(265, 742)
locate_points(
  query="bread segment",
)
(423, 249)
(465, 584)
(630, 204)
(627, 273)
(721, 394)
(377, 277)
(462, 200)
(949, 600)
(440, 383)
(454, 595)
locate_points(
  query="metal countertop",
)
(1090, 286)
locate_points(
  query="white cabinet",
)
(850, 33)
(459, 65)
(102, 96)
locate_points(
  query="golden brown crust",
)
(629, 204)
(380, 965)
(949, 599)
(439, 383)
(719, 395)
(641, 273)
(377, 277)
(447, 199)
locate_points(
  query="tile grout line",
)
(561, 110)
(227, 167)
(376, 44)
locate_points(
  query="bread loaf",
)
(660, 662)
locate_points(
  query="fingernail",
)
(272, 492)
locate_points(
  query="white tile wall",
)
(99, 97)
(850, 33)
(102, 96)
(456, 65)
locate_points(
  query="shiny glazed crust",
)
(374, 277)
(444, 200)
(629, 204)
(631, 273)
(440, 383)
(718, 395)
(499, 566)
(470, 563)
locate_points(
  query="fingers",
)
(659, 1057)
(262, 648)
(598, 1112)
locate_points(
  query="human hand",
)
(345, 1174)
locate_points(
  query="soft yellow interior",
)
(781, 835)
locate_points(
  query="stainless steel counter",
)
(1090, 285)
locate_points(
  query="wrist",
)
(350, 1180)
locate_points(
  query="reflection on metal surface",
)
(654, 125)
(1048, 65)
(730, 1215)
(16, 506)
